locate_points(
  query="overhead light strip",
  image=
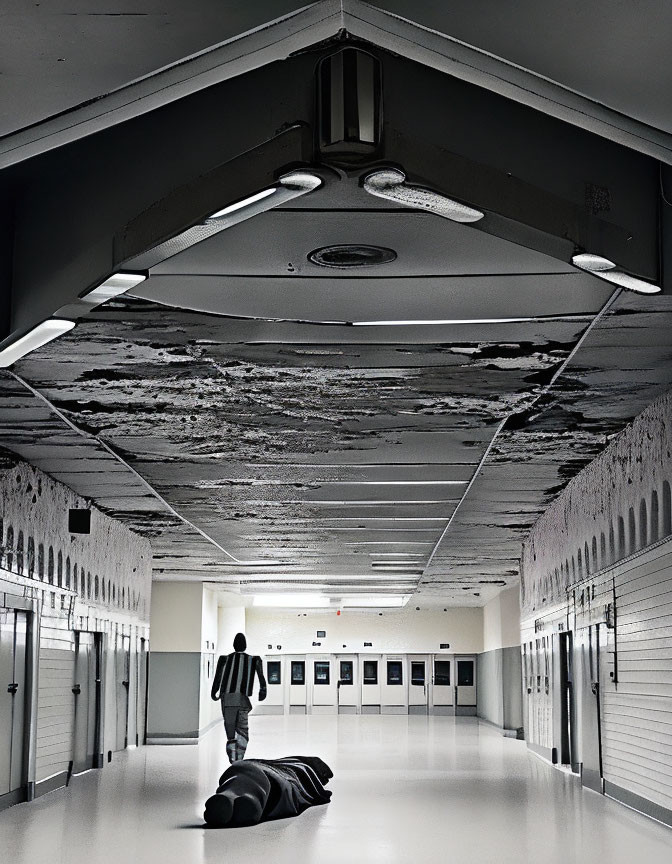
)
(390, 184)
(605, 269)
(425, 322)
(40, 335)
(113, 286)
(286, 188)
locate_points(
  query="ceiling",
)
(227, 407)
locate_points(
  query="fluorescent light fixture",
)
(35, 338)
(385, 482)
(389, 183)
(245, 202)
(605, 269)
(113, 286)
(434, 321)
(382, 601)
(291, 601)
(285, 189)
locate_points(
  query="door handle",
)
(126, 684)
(76, 689)
(12, 688)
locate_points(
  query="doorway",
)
(122, 667)
(87, 690)
(568, 749)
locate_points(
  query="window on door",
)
(298, 672)
(273, 669)
(346, 676)
(442, 673)
(394, 672)
(465, 673)
(417, 673)
(321, 672)
(370, 672)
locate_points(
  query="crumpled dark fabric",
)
(260, 790)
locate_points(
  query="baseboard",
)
(518, 734)
(323, 710)
(173, 738)
(394, 709)
(347, 709)
(636, 802)
(443, 710)
(260, 710)
(370, 709)
(550, 754)
(418, 709)
(43, 787)
(297, 709)
(17, 796)
(465, 710)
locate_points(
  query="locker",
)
(323, 684)
(394, 686)
(348, 685)
(418, 683)
(370, 677)
(296, 687)
(442, 690)
(13, 705)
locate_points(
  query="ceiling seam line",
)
(87, 435)
(612, 299)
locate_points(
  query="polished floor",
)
(405, 790)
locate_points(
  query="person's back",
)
(233, 685)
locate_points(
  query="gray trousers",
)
(237, 731)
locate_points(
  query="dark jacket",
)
(235, 674)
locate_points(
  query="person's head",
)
(240, 642)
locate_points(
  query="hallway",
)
(425, 789)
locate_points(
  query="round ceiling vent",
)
(351, 255)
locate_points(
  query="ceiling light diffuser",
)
(291, 601)
(605, 269)
(113, 286)
(390, 184)
(35, 338)
(246, 202)
(382, 601)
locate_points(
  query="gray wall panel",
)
(499, 694)
(174, 680)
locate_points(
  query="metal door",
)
(13, 696)
(324, 682)
(418, 683)
(348, 683)
(394, 686)
(296, 684)
(587, 654)
(122, 668)
(370, 677)
(465, 685)
(442, 692)
(141, 677)
(84, 692)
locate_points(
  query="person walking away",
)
(233, 685)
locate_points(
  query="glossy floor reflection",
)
(406, 789)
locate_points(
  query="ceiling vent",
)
(348, 255)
